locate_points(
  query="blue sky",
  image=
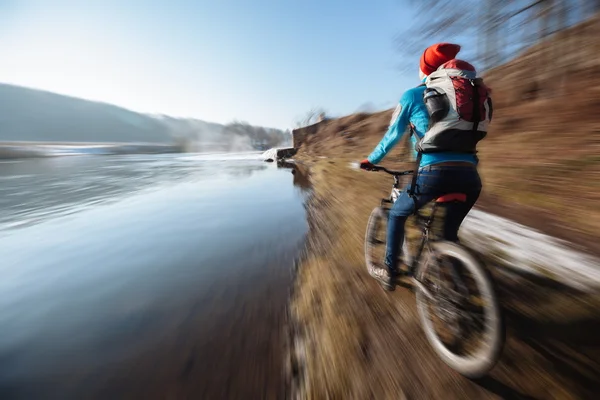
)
(262, 61)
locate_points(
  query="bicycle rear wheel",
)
(459, 310)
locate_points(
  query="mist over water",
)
(201, 136)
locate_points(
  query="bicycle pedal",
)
(404, 280)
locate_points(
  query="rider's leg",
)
(427, 183)
(455, 214)
(402, 208)
(468, 182)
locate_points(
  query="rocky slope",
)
(540, 162)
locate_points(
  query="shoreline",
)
(350, 339)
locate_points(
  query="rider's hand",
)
(366, 164)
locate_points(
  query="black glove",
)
(366, 164)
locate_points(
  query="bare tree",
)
(501, 28)
(257, 136)
(312, 116)
(438, 19)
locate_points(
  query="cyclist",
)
(440, 173)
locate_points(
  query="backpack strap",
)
(413, 184)
(476, 113)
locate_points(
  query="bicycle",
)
(437, 270)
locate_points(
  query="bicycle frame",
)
(395, 192)
(425, 222)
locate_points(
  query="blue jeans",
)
(432, 182)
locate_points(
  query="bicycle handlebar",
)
(377, 168)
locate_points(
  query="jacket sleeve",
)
(398, 125)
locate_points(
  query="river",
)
(162, 276)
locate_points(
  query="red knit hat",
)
(436, 55)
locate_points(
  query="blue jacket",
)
(411, 109)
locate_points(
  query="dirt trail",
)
(355, 341)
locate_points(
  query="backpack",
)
(459, 107)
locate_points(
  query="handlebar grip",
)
(367, 167)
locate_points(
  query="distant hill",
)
(35, 115)
(30, 115)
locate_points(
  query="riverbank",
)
(353, 340)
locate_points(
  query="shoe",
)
(385, 276)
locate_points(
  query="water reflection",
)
(32, 191)
(300, 172)
(248, 170)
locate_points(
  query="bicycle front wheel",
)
(375, 239)
(459, 310)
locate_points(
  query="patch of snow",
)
(527, 249)
(270, 154)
